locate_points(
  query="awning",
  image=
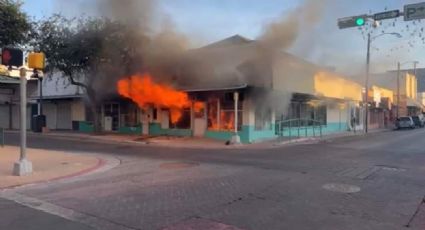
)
(58, 97)
(8, 80)
(414, 103)
(213, 88)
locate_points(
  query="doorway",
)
(111, 114)
(199, 119)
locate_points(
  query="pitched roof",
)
(233, 40)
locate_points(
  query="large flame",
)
(144, 91)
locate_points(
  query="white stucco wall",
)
(55, 85)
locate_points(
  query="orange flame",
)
(144, 91)
(198, 106)
(227, 120)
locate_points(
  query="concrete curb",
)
(260, 145)
(101, 166)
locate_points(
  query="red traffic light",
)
(12, 57)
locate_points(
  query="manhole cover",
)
(178, 165)
(343, 188)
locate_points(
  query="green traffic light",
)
(360, 21)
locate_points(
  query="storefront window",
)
(263, 119)
(305, 114)
(129, 115)
(212, 108)
(183, 121)
(227, 116)
(221, 115)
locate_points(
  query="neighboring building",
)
(409, 103)
(62, 104)
(9, 99)
(420, 75)
(381, 102)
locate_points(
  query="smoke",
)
(138, 14)
(149, 39)
(282, 33)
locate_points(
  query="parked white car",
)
(405, 123)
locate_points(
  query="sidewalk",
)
(47, 166)
(194, 142)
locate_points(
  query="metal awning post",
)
(235, 138)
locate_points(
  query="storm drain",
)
(342, 188)
(178, 165)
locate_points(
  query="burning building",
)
(235, 86)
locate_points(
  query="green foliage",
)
(93, 47)
(15, 27)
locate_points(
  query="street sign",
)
(414, 11)
(386, 15)
(352, 21)
(12, 57)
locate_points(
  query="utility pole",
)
(366, 85)
(398, 89)
(23, 166)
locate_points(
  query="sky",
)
(206, 21)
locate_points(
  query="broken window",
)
(227, 116)
(183, 121)
(129, 115)
(212, 107)
(221, 115)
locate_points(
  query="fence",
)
(299, 127)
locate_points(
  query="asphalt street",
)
(361, 182)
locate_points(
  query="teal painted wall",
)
(131, 130)
(309, 131)
(227, 135)
(85, 127)
(248, 134)
(156, 130)
(260, 135)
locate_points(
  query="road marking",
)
(69, 214)
(342, 188)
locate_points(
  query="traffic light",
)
(36, 61)
(352, 21)
(12, 57)
(360, 21)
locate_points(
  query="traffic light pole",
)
(23, 166)
(366, 119)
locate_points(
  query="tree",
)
(15, 26)
(91, 52)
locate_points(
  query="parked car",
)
(419, 122)
(405, 123)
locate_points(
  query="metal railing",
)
(299, 127)
(2, 137)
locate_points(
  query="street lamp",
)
(369, 41)
(398, 80)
